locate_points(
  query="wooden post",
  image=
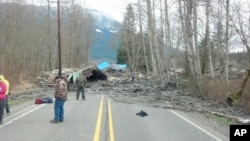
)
(59, 38)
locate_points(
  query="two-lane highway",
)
(32, 123)
(159, 125)
(100, 119)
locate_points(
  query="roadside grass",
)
(14, 102)
(221, 120)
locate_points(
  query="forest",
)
(202, 36)
(208, 39)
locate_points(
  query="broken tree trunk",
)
(235, 96)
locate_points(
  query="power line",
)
(26, 21)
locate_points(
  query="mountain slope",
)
(106, 42)
(104, 30)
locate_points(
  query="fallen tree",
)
(233, 98)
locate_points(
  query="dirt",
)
(142, 91)
(214, 113)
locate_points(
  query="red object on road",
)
(38, 100)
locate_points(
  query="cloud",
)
(115, 8)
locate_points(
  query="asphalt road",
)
(98, 118)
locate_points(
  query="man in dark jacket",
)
(81, 83)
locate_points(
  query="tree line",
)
(155, 31)
(154, 34)
(29, 38)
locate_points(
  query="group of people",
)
(4, 91)
(60, 95)
(61, 90)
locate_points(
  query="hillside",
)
(106, 40)
(105, 30)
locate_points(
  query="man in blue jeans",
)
(61, 90)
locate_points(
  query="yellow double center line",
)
(111, 129)
(99, 122)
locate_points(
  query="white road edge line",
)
(19, 112)
(32, 110)
(190, 122)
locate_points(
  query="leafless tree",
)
(207, 38)
(241, 25)
(190, 38)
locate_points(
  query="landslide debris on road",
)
(120, 87)
(142, 90)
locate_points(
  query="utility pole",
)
(59, 39)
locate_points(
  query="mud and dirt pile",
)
(120, 87)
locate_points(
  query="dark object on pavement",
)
(142, 113)
(47, 100)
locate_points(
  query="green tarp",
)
(74, 75)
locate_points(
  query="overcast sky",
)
(115, 8)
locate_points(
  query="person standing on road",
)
(7, 93)
(3, 89)
(61, 90)
(81, 83)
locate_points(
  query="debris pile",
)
(47, 77)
